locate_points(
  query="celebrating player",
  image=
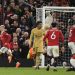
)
(71, 45)
(71, 39)
(53, 35)
(5, 38)
(36, 40)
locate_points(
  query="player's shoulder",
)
(34, 29)
(48, 30)
(43, 30)
(60, 31)
(54, 29)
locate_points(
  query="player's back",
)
(72, 34)
(53, 36)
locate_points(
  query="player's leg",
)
(55, 52)
(48, 62)
(18, 63)
(71, 45)
(72, 62)
(55, 63)
(38, 60)
(49, 57)
(73, 48)
(61, 58)
(34, 56)
(9, 53)
(6, 50)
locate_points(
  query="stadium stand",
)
(21, 14)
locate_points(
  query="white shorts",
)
(71, 45)
(72, 62)
(53, 51)
(5, 50)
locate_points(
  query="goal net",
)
(64, 16)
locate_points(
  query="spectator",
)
(14, 35)
(14, 26)
(0, 9)
(16, 51)
(18, 32)
(17, 10)
(23, 24)
(8, 12)
(30, 19)
(12, 5)
(15, 43)
(24, 44)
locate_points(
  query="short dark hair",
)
(54, 24)
(38, 22)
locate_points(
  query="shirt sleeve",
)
(46, 37)
(43, 32)
(31, 36)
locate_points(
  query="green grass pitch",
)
(32, 71)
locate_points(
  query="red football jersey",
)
(53, 36)
(14, 45)
(73, 56)
(72, 34)
(5, 38)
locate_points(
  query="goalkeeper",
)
(36, 40)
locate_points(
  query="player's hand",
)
(45, 49)
(33, 52)
(63, 49)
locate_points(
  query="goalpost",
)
(64, 16)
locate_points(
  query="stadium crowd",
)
(19, 18)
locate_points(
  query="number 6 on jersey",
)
(53, 36)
